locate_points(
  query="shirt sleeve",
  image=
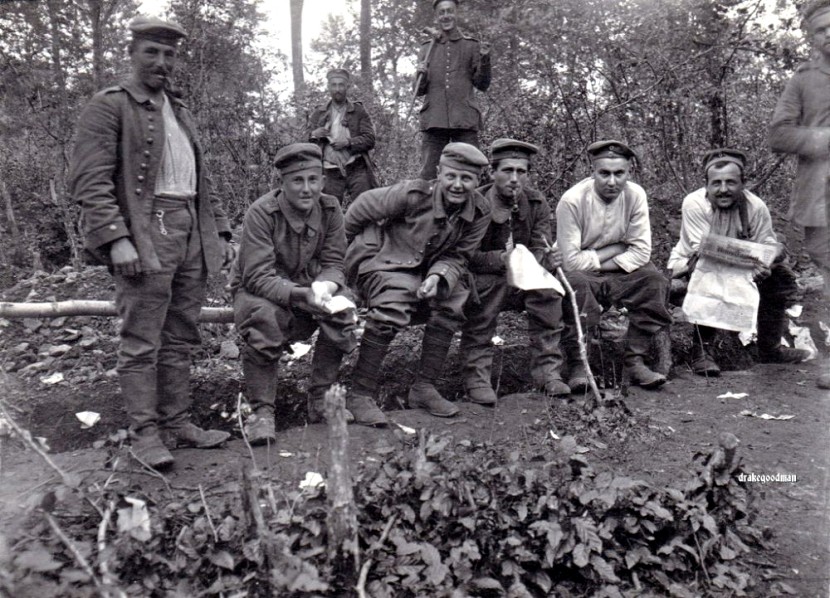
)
(637, 235)
(334, 250)
(482, 71)
(365, 139)
(787, 134)
(375, 205)
(569, 238)
(694, 226)
(761, 225)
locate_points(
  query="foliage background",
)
(672, 77)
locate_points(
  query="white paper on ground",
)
(802, 339)
(312, 480)
(525, 273)
(88, 418)
(795, 311)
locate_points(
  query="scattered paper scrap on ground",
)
(88, 418)
(312, 480)
(733, 395)
(749, 413)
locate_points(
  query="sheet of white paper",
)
(524, 272)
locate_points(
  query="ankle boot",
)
(703, 364)
(260, 374)
(771, 328)
(360, 400)
(577, 374)
(423, 394)
(639, 345)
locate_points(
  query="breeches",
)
(267, 327)
(393, 302)
(433, 142)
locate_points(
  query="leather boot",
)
(423, 394)
(577, 375)
(360, 400)
(477, 352)
(325, 366)
(175, 429)
(639, 345)
(138, 390)
(771, 328)
(148, 449)
(546, 359)
(260, 373)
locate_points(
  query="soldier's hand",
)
(340, 144)
(429, 288)
(422, 68)
(433, 32)
(760, 273)
(124, 257)
(484, 48)
(319, 133)
(553, 258)
(320, 293)
(680, 271)
(228, 253)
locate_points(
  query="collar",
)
(349, 105)
(454, 35)
(467, 211)
(297, 222)
(141, 96)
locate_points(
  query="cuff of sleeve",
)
(107, 234)
(595, 265)
(284, 289)
(625, 264)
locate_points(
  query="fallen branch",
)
(580, 335)
(360, 588)
(70, 546)
(84, 307)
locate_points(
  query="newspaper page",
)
(722, 292)
(524, 272)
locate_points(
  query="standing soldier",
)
(604, 233)
(290, 265)
(137, 171)
(518, 215)
(414, 262)
(446, 76)
(801, 126)
(344, 131)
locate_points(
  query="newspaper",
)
(722, 292)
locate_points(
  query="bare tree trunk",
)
(68, 225)
(297, 44)
(95, 14)
(366, 46)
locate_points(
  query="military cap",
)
(154, 29)
(814, 10)
(339, 73)
(724, 154)
(464, 157)
(435, 3)
(503, 149)
(298, 156)
(610, 149)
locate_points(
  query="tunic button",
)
(140, 178)
(144, 165)
(112, 227)
(138, 191)
(152, 128)
(311, 233)
(146, 152)
(150, 141)
(151, 118)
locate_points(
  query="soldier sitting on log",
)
(604, 233)
(518, 215)
(412, 242)
(725, 207)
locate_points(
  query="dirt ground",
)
(656, 442)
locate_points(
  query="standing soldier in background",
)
(345, 133)
(801, 126)
(137, 171)
(446, 76)
(518, 215)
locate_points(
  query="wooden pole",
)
(343, 549)
(83, 307)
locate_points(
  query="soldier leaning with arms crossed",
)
(411, 244)
(137, 171)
